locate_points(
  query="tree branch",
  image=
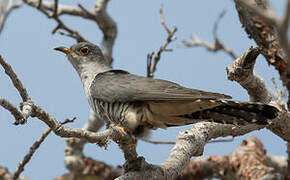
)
(270, 33)
(153, 58)
(242, 71)
(217, 46)
(33, 148)
(189, 143)
(248, 161)
(12, 109)
(97, 14)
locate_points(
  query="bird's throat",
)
(88, 71)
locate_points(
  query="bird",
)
(138, 104)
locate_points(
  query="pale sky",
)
(27, 44)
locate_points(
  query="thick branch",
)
(248, 161)
(189, 143)
(242, 72)
(270, 32)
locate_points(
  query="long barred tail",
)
(239, 113)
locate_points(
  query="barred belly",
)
(129, 114)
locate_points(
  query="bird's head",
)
(83, 53)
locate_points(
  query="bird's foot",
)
(121, 129)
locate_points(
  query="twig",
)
(41, 6)
(217, 46)
(33, 148)
(280, 95)
(12, 109)
(153, 58)
(97, 14)
(25, 107)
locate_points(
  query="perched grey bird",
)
(138, 103)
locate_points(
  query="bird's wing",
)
(121, 86)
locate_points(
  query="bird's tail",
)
(220, 111)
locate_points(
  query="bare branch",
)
(189, 143)
(153, 61)
(12, 109)
(98, 14)
(33, 148)
(241, 164)
(270, 32)
(26, 110)
(217, 46)
(242, 72)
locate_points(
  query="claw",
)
(121, 129)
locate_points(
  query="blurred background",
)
(26, 43)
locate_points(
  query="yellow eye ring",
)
(84, 50)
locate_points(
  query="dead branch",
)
(12, 109)
(97, 14)
(248, 161)
(242, 71)
(33, 148)
(270, 33)
(153, 58)
(217, 46)
(189, 143)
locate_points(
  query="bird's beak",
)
(63, 49)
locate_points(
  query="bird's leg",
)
(121, 129)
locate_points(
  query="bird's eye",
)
(84, 50)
